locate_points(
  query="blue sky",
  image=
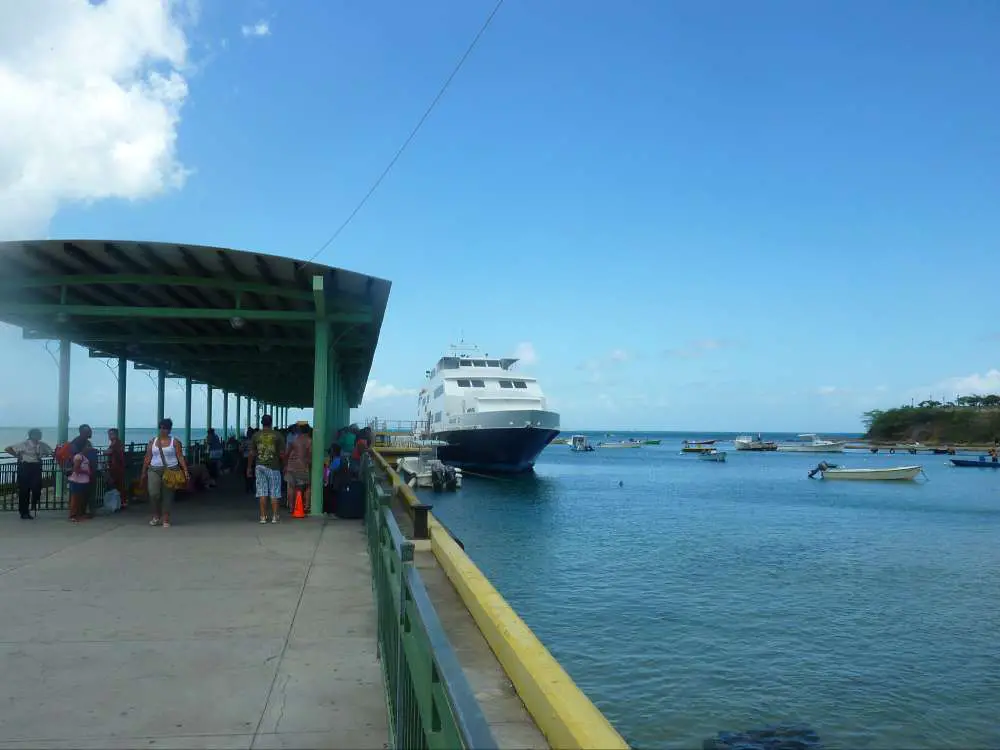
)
(690, 215)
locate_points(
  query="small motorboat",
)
(622, 444)
(580, 444)
(757, 444)
(697, 449)
(714, 455)
(426, 471)
(983, 462)
(831, 471)
(699, 442)
(811, 443)
(652, 442)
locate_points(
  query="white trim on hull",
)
(904, 473)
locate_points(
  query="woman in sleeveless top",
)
(163, 452)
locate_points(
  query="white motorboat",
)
(426, 471)
(718, 456)
(751, 443)
(811, 443)
(580, 444)
(492, 418)
(622, 444)
(904, 473)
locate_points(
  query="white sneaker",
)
(155, 522)
(263, 519)
(274, 518)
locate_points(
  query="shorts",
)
(79, 488)
(268, 482)
(298, 479)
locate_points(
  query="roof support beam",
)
(176, 313)
(140, 279)
(99, 339)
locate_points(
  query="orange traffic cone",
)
(300, 508)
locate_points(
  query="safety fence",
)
(431, 704)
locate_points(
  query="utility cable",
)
(413, 133)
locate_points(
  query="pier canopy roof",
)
(240, 321)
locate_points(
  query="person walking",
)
(266, 450)
(164, 471)
(29, 455)
(298, 463)
(115, 455)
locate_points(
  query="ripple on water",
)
(703, 597)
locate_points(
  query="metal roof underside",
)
(236, 320)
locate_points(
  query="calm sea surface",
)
(699, 597)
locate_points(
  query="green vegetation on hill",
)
(969, 419)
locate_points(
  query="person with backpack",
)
(164, 471)
(29, 455)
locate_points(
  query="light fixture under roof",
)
(237, 322)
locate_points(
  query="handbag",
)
(173, 477)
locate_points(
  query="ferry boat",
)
(493, 418)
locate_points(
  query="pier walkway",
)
(215, 633)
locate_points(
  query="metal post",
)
(208, 408)
(62, 429)
(187, 415)
(122, 393)
(321, 370)
(249, 409)
(238, 433)
(225, 415)
(161, 391)
(256, 422)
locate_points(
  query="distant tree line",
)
(966, 419)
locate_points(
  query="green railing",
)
(430, 702)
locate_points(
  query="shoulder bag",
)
(173, 477)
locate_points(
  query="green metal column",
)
(161, 391)
(208, 408)
(256, 422)
(249, 411)
(122, 392)
(225, 415)
(187, 415)
(238, 433)
(321, 372)
(62, 429)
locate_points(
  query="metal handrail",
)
(430, 701)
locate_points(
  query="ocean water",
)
(688, 597)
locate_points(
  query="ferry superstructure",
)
(492, 417)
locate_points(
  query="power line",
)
(413, 133)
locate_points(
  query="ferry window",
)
(438, 391)
(465, 363)
(463, 383)
(520, 384)
(478, 383)
(506, 384)
(437, 416)
(493, 362)
(479, 362)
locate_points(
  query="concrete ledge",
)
(567, 718)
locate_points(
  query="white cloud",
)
(261, 28)
(376, 391)
(90, 101)
(525, 352)
(967, 385)
(828, 390)
(619, 355)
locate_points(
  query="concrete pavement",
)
(215, 633)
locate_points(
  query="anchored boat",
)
(982, 463)
(830, 471)
(750, 443)
(813, 444)
(713, 455)
(580, 444)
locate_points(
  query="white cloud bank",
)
(261, 28)
(968, 385)
(376, 391)
(525, 352)
(90, 101)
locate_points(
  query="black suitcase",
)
(351, 500)
(329, 500)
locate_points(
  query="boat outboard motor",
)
(450, 478)
(820, 468)
(438, 477)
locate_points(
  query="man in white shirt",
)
(29, 455)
